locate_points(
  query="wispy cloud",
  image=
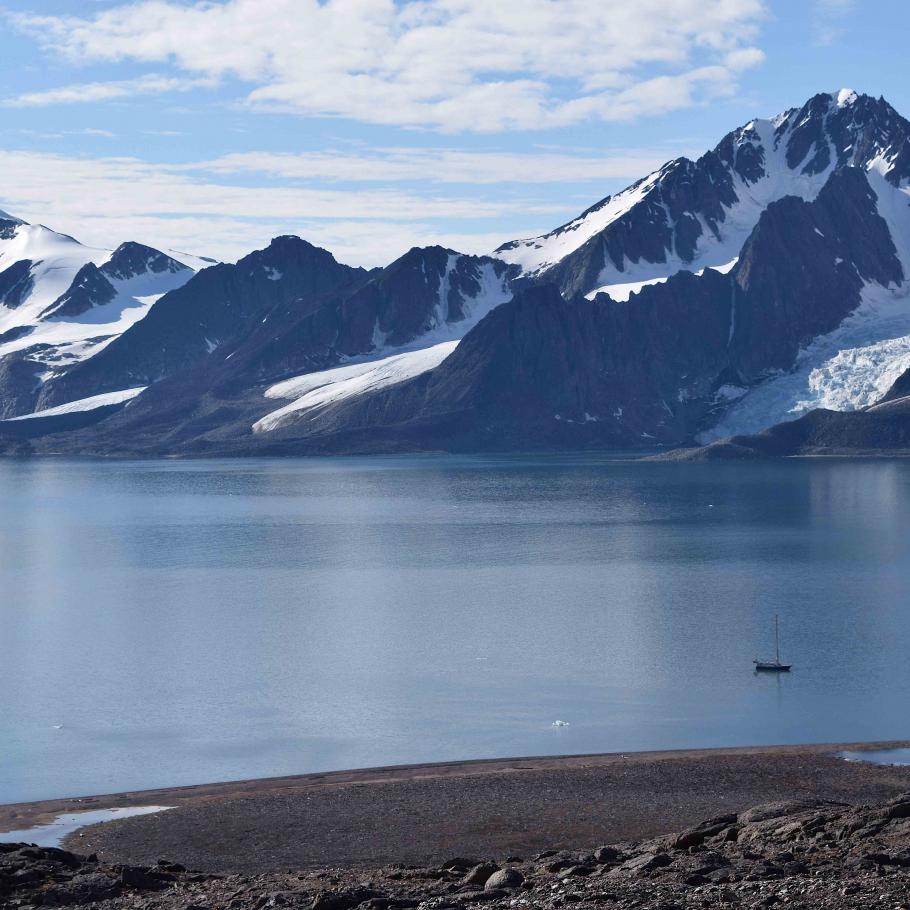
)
(451, 65)
(62, 134)
(106, 200)
(438, 165)
(94, 92)
(829, 20)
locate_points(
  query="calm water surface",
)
(169, 623)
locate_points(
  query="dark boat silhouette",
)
(773, 666)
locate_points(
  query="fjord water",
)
(167, 623)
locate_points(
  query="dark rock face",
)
(132, 259)
(801, 271)
(16, 283)
(539, 369)
(217, 305)
(16, 332)
(7, 228)
(89, 289)
(19, 384)
(426, 289)
(853, 133)
(664, 221)
(881, 429)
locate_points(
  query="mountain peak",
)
(845, 97)
(692, 214)
(5, 216)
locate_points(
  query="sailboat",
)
(773, 666)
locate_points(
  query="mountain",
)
(219, 306)
(713, 298)
(61, 303)
(543, 370)
(205, 357)
(693, 214)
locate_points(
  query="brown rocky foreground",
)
(800, 853)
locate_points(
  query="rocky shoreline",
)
(800, 853)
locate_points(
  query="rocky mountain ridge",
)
(712, 298)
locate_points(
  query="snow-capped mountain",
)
(697, 214)
(62, 302)
(768, 277)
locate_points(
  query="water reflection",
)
(194, 621)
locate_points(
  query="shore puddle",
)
(879, 756)
(52, 834)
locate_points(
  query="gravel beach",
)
(424, 814)
(803, 853)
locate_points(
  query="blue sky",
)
(370, 126)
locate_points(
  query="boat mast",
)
(777, 638)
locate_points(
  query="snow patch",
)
(84, 404)
(622, 291)
(846, 96)
(316, 390)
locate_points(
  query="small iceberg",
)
(560, 723)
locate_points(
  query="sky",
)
(372, 126)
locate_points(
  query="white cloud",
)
(94, 92)
(471, 65)
(439, 165)
(103, 201)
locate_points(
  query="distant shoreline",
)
(497, 804)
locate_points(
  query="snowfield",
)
(84, 404)
(316, 390)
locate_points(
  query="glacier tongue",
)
(853, 366)
(850, 368)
